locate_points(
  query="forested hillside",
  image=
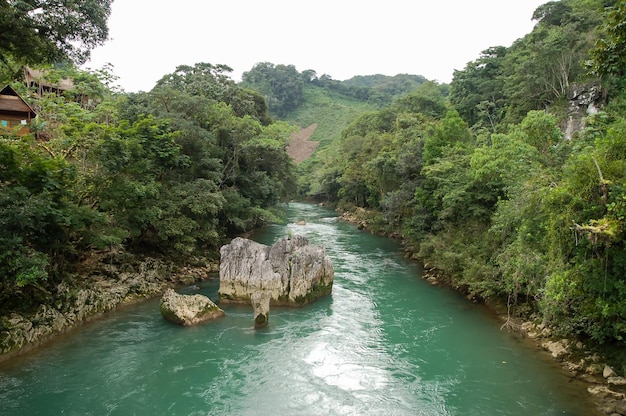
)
(304, 98)
(511, 180)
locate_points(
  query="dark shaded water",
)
(385, 342)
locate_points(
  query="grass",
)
(331, 111)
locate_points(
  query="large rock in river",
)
(292, 271)
(188, 309)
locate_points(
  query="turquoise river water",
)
(384, 343)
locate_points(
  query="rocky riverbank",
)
(603, 383)
(111, 282)
(579, 361)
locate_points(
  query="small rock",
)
(595, 358)
(594, 369)
(574, 367)
(530, 329)
(433, 280)
(546, 332)
(608, 372)
(556, 348)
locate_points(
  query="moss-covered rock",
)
(188, 309)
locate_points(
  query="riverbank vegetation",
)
(171, 173)
(510, 181)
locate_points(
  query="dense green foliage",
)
(482, 184)
(379, 89)
(175, 171)
(284, 87)
(305, 98)
(331, 111)
(281, 85)
(537, 72)
(36, 31)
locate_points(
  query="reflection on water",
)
(385, 342)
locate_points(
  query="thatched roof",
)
(11, 102)
(37, 76)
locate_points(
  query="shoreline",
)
(103, 290)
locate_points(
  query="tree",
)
(46, 31)
(41, 225)
(609, 54)
(203, 79)
(477, 91)
(281, 85)
(213, 83)
(540, 68)
(427, 99)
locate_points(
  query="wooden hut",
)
(14, 112)
(36, 78)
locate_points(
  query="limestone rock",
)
(558, 349)
(121, 278)
(188, 309)
(292, 271)
(604, 392)
(261, 305)
(616, 381)
(608, 372)
(594, 369)
(584, 100)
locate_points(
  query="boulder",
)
(558, 349)
(188, 309)
(291, 272)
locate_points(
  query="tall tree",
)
(39, 31)
(609, 55)
(541, 67)
(281, 85)
(477, 91)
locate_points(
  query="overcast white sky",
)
(341, 38)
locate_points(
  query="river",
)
(384, 343)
